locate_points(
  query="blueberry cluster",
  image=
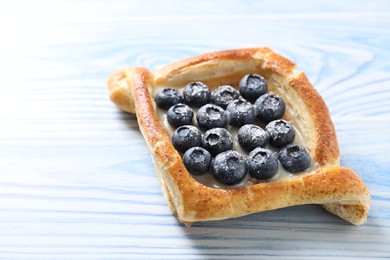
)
(207, 145)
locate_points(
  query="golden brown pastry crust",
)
(339, 190)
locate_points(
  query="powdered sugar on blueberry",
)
(244, 144)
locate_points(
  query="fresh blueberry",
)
(280, 133)
(224, 95)
(229, 167)
(252, 136)
(252, 86)
(185, 137)
(197, 160)
(262, 163)
(269, 107)
(240, 112)
(167, 98)
(210, 116)
(217, 140)
(196, 94)
(179, 115)
(294, 158)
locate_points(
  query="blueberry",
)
(229, 167)
(252, 136)
(210, 116)
(280, 133)
(167, 98)
(224, 95)
(185, 137)
(196, 94)
(217, 140)
(179, 115)
(269, 107)
(240, 112)
(197, 160)
(294, 158)
(252, 86)
(262, 163)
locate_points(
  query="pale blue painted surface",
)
(76, 179)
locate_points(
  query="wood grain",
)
(76, 178)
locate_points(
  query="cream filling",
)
(208, 179)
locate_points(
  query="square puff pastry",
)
(339, 190)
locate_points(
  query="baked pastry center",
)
(207, 178)
(339, 190)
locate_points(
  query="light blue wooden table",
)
(76, 178)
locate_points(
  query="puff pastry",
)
(339, 190)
